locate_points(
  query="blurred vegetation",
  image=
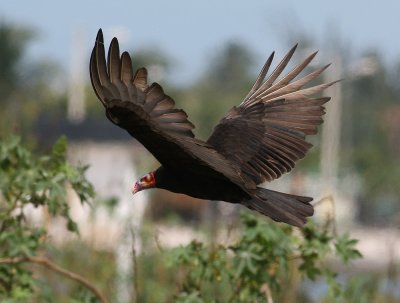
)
(259, 260)
(371, 142)
(261, 264)
(224, 84)
(255, 265)
(28, 181)
(27, 88)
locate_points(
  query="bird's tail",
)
(281, 207)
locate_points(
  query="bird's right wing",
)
(265, 134)
(150, 116)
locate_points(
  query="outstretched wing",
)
(116, 81)
(149, 115)
(266, 133)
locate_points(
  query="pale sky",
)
(191, 31)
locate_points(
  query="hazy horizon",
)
(189, 33)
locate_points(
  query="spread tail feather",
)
(281, 207)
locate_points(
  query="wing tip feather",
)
(100, 37)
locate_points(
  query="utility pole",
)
(330, 145)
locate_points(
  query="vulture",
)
(255, 142)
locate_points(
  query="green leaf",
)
(345, 248)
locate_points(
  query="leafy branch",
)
(260, 261)
(28, 180)
(54, 267)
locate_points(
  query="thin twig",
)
(54, 267)
(158, 242)
(135, 268)
(267, 291)
(294, 257)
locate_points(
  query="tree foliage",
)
(371, 106)
(25, 86)
(259, 262)
(14, 42)
(26, 182)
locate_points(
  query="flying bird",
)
(256, 141)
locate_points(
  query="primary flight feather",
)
(257, 141)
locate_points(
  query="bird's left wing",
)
(266, 134)
(150, 116)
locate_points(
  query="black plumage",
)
(256, 141)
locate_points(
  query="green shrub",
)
(29, 180)
(264, 257)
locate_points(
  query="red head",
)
(147, 181)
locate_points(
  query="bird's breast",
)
(200, 186)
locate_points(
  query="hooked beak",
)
(147, 181)
(137, 187)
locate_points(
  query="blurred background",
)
(207, 55)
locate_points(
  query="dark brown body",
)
(199, 186)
